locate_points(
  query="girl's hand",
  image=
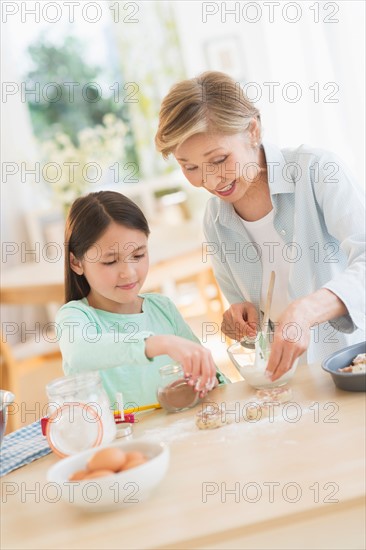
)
(197, 361)
(291, 339)
(240, 320)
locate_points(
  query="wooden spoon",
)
(267, 309)
(251, 345)
(261, 342)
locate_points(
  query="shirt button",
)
(283, 232)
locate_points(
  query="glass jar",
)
(250, 358)
(80, 414)
(174, 393)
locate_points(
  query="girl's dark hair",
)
(86, 222)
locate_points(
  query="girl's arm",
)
(197, 361)
(85, 347)
(184, 330)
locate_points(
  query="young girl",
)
(106, 325)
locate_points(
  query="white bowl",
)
(119, 490)
(243, 360)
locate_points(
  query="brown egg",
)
(133, 463)
(79, 474)
(134, 455)
(98, 473)
(110, 458)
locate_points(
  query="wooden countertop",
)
(294, 483)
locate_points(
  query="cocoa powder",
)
(177, 395)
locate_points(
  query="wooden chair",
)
(27, 367)
(191, 285)
(166, 275)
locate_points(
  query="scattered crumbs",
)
(186, 429)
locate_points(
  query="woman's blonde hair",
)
(211, 102)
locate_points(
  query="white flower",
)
(109, 119)
(102, 144)
(63, 139)
(85, 134)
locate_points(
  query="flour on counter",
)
(186, 428)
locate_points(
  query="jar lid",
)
(70, 385)
(74, 427)
(171, 369)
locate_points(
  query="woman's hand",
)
(291, 339)
(197, 361)
(240, 320)
(292, 334)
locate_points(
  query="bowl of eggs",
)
(112, 476)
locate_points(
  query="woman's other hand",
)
(291, 339)
(292, 334)
(240, 320)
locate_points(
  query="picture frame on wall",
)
(226, 54)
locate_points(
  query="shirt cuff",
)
(222, 379)
(352, 320)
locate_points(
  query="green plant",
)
(72, 107)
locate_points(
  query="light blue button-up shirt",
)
(319, 209)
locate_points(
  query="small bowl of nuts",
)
(347, 367)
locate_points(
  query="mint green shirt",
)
(114, 345)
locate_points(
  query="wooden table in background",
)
(43, 282)
(175, 253)
(315, 466)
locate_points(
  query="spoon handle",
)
(267, 309)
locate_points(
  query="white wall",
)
(17, 146)
(304, 52)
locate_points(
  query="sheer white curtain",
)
(151, 62)
(327, 60)
(18, 146)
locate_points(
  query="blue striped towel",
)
(21, 447)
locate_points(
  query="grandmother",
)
(296, 211)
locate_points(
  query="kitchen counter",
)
(295, 480)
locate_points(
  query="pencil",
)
(138, 409)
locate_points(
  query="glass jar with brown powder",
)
(174, 393)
